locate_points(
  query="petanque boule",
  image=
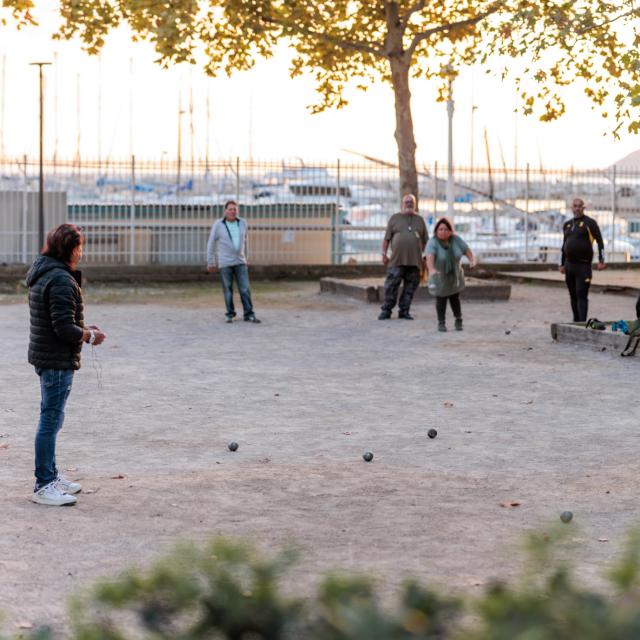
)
(233, 446)
(432, 433)
(566, 516)
(367, 456)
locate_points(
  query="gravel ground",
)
(550, 426)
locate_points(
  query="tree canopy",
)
(358, 42)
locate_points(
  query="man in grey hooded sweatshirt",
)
(227, 251)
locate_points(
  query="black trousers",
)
(578, 278)
(638, 308)
(410, 279)
(441, 306)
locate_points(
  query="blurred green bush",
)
(225, 590)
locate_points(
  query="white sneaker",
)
(51, 495)
(67, 486)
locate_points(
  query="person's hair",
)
(446, 222)
(62, 241)
(228, 202)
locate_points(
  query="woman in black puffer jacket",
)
(55, 341)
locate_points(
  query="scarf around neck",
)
(450, 260)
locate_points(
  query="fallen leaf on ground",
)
(527, 402)
(4, 435)
(510, 504)
(603, 539)
(346, 433)
(24, 625)
(4, 445)
(473, 582)
(118, 477)
(448, 404)
(71, 469)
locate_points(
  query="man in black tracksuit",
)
(577, 257)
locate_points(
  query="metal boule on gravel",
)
(233, 446)
(566, 516)
(432, 433)
(367, 456)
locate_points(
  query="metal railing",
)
(161, 212)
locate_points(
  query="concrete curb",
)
(597, 288)
(372, 290)
(577, 333)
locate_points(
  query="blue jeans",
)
(55, 386)
(241, 274)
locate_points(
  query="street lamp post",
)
(41, 175)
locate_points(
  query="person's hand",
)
(561, 269)
(99, 336)
(472, 262)
(385, 259)
(601, 266)
(93, 327)
(211, 269)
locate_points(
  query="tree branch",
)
(327, 37)
(419, 37)
(418, 6)
(631, 12)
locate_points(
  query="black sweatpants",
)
(409, 277)
(441, 306)
(578, 278)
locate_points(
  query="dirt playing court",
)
(550, 426)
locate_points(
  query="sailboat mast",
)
(78, 125)
(2, 94)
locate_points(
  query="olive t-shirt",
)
(408, 236)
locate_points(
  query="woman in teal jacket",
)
(446, 278)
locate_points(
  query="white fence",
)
(299, 213)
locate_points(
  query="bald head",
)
(577, 206)
(408, 203)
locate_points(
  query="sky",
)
(123, 103)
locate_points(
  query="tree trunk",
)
(404, 127)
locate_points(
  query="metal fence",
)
(161, 212)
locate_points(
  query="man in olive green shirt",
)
(407, 235)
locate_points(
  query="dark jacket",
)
(579, 235)
(57, 320)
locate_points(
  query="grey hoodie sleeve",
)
(212, 246)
